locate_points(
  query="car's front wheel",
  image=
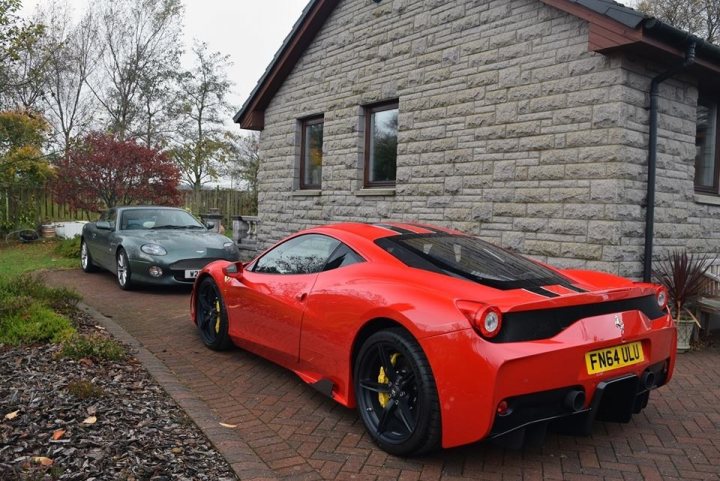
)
(212, 320)
(396, 393)
(124, 274)
(86, 261)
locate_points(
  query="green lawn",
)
(16, 259)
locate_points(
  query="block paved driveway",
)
(297, 433)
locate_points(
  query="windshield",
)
(145, 219)
(469, 258)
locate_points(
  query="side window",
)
(707, 147)
(311, 153)
(343, 256)
(381, 134)
(305, 254)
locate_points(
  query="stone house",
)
(526, 122)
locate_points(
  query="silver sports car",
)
(152, 245)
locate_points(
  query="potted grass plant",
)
(682, 275)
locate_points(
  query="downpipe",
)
(652, 155)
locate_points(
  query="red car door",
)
(268, 312)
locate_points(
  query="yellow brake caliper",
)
(217, 318)
(384, 397)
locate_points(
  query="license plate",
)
(615, 357)
(191, 274)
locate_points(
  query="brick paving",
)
(286, 430)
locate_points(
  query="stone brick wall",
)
(508, 128)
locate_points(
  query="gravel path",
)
(81, 420)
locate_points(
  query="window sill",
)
(306, 193)
(375, 191)
(707, 199)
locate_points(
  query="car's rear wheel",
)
(124, 274)
(212, 320)
(396, 393)
(86, 261)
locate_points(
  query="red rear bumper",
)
(473, 376)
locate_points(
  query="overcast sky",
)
(250, 31)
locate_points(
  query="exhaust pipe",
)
(648, 379)
(574, 400)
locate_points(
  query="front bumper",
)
(173, 273)
(534, 376)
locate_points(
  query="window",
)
(707, 153)
(305, 254)
(144, 219)
(381, 131)
(311, 154)
(470, 258)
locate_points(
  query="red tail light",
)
(487, 320)
(662, 297)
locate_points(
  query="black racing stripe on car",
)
(541, 291)
(394, 228)
(431, 229)
(573, 287)
(546, 323)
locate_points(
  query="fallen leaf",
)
(42, 460)
(12, 415)
(58, 433)
(90, 420)
(231, 426)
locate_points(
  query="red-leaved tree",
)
(101, 172)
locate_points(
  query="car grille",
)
(546, 323)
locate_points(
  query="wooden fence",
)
(227, 202)
(29, 207)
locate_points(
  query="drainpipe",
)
(652, 156)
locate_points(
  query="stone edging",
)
(246, 464)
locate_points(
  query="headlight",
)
(153, 249)
(233, 253)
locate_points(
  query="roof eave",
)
(252, 114)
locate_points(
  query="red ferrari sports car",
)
(439, 338)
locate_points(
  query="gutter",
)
(652, 149)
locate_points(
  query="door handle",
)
(301, 297)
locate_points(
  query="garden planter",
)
(685, 329)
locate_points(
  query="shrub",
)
(33, 322)
(85, 390)
(27, 286)
(97, 348)
(27, 311)
(69, 248)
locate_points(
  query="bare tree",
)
(699, 17)
(142, 43)
(203, 145)
(73, 53)
(246, 164)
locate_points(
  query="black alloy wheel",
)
(396, 393)
(212, 316)
(124, 275)
(86, 261)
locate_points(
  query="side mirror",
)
(103, 225)
(233, 270)
(210, 224)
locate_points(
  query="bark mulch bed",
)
(87, 420)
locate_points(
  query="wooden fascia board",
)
(254, 115)
(606, 34)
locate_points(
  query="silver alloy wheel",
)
(84, 256)
(122, 269)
